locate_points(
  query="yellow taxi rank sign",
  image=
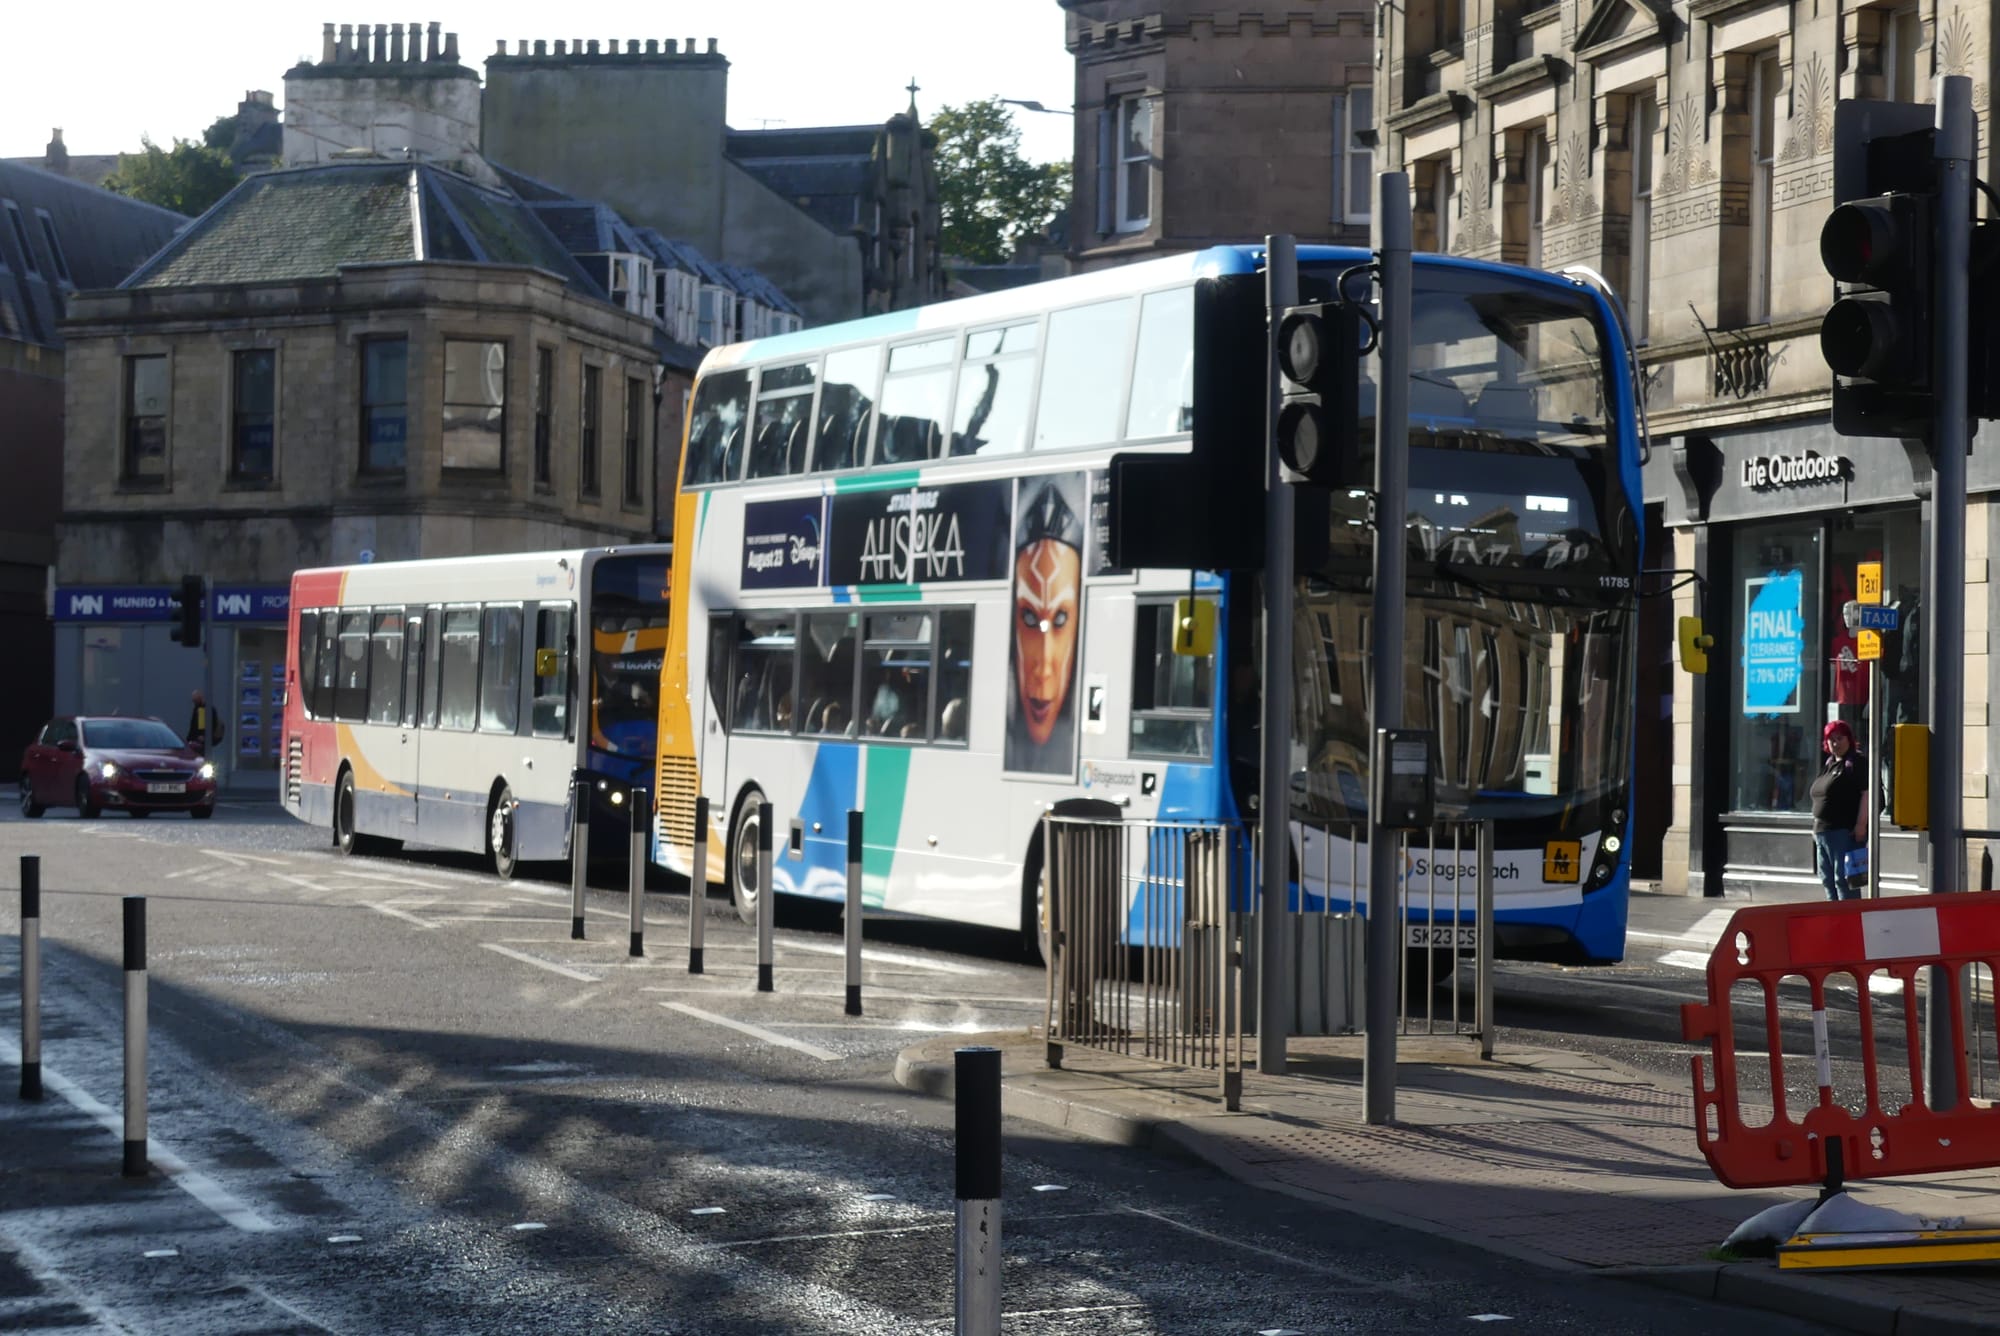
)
(1868, 582)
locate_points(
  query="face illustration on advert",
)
(1048, 590)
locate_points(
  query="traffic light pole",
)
(1392, 485)
(1274, 937)
(1954, 149)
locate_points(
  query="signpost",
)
(1868, 619)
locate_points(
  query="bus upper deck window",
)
(1083, 374)
(994, 391)
(846, 409)
(784, 420)
(1163, 372)
(720, 418)
(916, 396)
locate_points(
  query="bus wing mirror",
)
(1694, 645)
(1194, 627)
(547, 663)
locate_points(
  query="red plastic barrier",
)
(1814, 941)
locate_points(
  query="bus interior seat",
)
(836, 445)
(795, 447)
(951, 719)
(912, 730)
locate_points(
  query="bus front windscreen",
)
(628, 642)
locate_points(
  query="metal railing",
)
(1146, 942)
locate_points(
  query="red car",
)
(94, 762)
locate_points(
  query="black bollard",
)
(642, 813)
(579, 849)
(767, 912)
(852, 923)
(976, 1087)
(698, 886)
(135, 1036)
(31, 976)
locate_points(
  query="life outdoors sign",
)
(1801, 470)
(1774, 642)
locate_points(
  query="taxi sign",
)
(1867, 645)
(1562, 861)
(1868, 582)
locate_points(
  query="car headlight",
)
(108, 770)
(207, 770)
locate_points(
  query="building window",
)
(21, 238)
(1135, 163)
(545, 378)
(1766, 88)
(55, 248)
(475, 406)
(1354, 160)
(635, 439)
(252, 436)
(1641, 129)
(586, 445)
(384, 404)
(1903, 64)
(146, 388)
(1450, 33)
(1439, 196)
(1534, 162)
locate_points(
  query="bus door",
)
(408, 764)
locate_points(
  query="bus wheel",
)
(350, 840)
(1035, 904)
(500, 834)
(743, 855)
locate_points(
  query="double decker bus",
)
(897, 588)
(448, 702)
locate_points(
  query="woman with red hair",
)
(1839, 824)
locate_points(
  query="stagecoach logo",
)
(1800, 470)
(922, 535)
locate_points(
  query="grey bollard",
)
(31, 977)
(976, 1087)
(698, 886)
(851, 924)
(642, 815)
(579, 849)
(135, 1036)
(767, 912)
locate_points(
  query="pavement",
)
(1560, 1159)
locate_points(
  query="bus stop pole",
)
(579, 849)
(767, 911)
(851, 924)
(642, 815)
(1274, 988)
(698, 886)
(1392, 478)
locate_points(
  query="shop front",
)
(1786, 527)
(115, 654)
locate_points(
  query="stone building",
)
(364, 361)
(1686, 153)
(56, 236)
(1197, 126)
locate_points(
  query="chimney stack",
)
(541, 46)
(396, 43)
(431, 51)
(652, 46)
(711, 46)
(328, 52)
(56, 158)
(451, 47)
(344, 48)
(673, 46)
(593, 46)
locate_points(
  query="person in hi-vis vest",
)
(203, 728)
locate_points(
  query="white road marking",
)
(490, 918)
(190, 1180)
(1881, 987)
(239, 859)
(548, 965)
(187, 872)
(405, 915)
(889, 958)
(755, 1032)
(885, 1232)
(1686, 960)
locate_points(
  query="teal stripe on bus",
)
(876, 482)
(887, 593)
(887, 778)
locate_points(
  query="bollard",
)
(976, 1087)
(31, 976)
(767, 912)
(852, 923)
(135, 1036)
(579, 848)
(698, 886)
(642, 813)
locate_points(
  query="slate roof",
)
(825, 171)
(100, 237)
(309, 221)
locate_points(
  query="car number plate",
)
(166, 788)
(1462, 936)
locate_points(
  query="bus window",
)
(385, 668)
(500, 675)
(954, 674)
(433, 655)
(715, 433)
(329, 664)
(826, 675)
(846, 408)
(413, 666)
(784, 421)
(350, 691)
(896, 674)
(994, 391)
(552, 672)
(1082, 374)
(308, 661)
(458, 670)
(915, 398)
(761, 701)
(721, 639)
(1163, 373)
(1172, 694)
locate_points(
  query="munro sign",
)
(1801, 470)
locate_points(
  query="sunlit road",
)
(396, 1096)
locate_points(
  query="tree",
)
(188, 179)
(992, 197)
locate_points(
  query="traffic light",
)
(1319, 364)
(187, 612)
(1876, 244)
